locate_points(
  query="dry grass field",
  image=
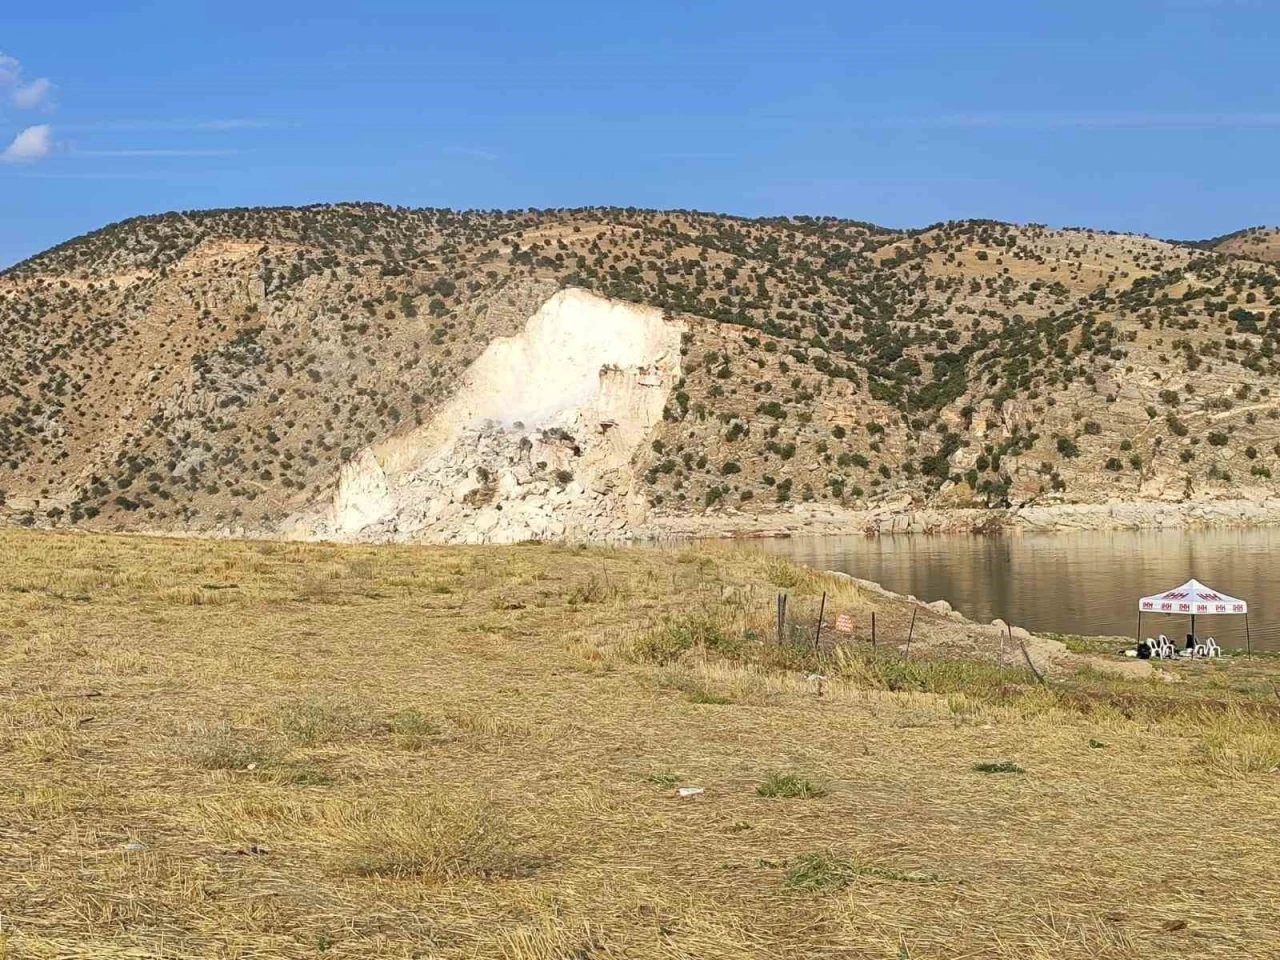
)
(233, 749)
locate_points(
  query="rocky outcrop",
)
(1147, 515)
(537, 443)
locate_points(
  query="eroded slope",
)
(538, 442)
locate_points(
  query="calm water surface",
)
(1085, 583)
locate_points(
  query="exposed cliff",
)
(539, 441)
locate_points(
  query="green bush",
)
(676, 635)
(772, 409)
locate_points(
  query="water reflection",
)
(1067, 582)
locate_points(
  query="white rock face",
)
(537, 442)
(363, 496)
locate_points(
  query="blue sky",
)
(1156, 116)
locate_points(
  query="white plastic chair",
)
(1209, 648)
(1160, 648)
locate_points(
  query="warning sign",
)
(844, 623)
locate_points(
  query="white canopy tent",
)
(1194, 599)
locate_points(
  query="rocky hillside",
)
(364, 371)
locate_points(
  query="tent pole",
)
(1138, 636)
(1248, 644)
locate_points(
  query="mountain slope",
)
(1253, 243)
(214, 371)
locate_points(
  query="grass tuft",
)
(790, 785)
(224, 748)
(312, 724)
(434, 838)
(997, 766)
(414, 730)
(975, 678)
(828, 871)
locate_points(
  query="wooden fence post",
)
(1026, 656)
(817, 633)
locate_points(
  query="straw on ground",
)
(283, 750)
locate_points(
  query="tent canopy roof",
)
(1192, 598)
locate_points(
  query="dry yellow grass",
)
(234, 749)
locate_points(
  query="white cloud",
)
(28, 96)
(31, 144)
(23, 95)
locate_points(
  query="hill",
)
(369, 372)
(1254, 243)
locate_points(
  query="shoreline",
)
(1051, 652)
(900, 517)
(828, 520)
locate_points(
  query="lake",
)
(1087, 583)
